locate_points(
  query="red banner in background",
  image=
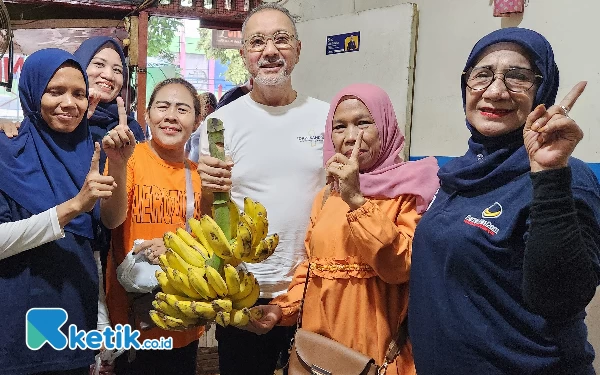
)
(17, 66)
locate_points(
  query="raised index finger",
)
(95, 165)
(121, 110)
(357, 144)
(570, 99)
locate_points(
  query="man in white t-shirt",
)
(274, 137)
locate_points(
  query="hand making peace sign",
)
(119, 142)
(550, 135)
(344, 172)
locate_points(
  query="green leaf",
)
(161, 31)
(236, 70)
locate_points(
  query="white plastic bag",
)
(136, 274)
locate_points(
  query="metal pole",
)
(142, 56)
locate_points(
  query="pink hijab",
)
(390, 177)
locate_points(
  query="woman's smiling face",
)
(495, 110)
(105, 73)
(64, 101)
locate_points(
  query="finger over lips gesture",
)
(344, 173)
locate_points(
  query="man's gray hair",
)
(266, 6)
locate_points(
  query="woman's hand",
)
(270, 316)
(119, 143)
(96, 185)
(345, 173)
(93, 100)
(10, 128)
(152, 249)
(550, 135)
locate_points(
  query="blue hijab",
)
(41, 168)
(106, 115)
(493, 161)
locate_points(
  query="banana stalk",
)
(216, 142)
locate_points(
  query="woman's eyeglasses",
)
(515, 79)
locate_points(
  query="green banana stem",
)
(216, 142)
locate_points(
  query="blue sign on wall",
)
(343, 43)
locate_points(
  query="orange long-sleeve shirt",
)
(360, 264)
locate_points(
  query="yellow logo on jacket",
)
(492, 211)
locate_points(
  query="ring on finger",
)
(565, 109)
(340, 166)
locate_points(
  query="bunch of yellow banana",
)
(249, 240)
(199, 280)
(193, 292)
(203, 295)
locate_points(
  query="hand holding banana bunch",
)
(248, 230)
(199, 280)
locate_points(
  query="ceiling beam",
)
(64, 23)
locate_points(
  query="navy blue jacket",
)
(60, 274)
(500, 277)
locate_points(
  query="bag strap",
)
(189, 194)
(395, 346)
(326, 195)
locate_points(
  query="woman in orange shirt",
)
(360, 235)
(156, 191)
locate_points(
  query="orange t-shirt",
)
(156, 200)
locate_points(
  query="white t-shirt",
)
(278, 160)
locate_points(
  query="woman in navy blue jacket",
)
(52, 160)
(106, 68)
(506, 258)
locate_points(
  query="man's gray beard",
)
(279, 79)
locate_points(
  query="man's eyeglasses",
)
(515, 79)
(258, 42)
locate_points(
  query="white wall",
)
(446, 34)
(447, 31)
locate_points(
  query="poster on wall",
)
(342, 43)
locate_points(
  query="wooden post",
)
(133, 40)
(142, 53)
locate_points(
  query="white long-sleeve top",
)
(103, 318)
(26, 234)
